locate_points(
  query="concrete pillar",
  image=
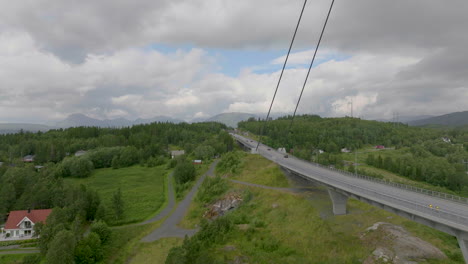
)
(463, 243)
(339, 201)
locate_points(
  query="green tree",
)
(101, 228)
(184, 172)
(89, 250)
(61, 249)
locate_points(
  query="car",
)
(286, 156)
(269, 149)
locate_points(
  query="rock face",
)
(393, 244)
(219, 208)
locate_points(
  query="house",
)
(80, 153)
(176, 153)
(321, 151)
(345, 150)
(380, 147)
(20, 224)
(446, 140)
(28, 158)
(197, 162)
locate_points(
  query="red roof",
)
(35, 216)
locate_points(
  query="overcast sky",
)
(197, 58)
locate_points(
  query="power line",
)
(311, 63)
(281, 75)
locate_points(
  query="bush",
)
(89, 249)
(211, 189)
(184, 172)
(102, 157)
(230, 163)
(102, 230)
(80, 167)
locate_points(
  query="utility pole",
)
(350, 103)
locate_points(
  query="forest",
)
(40, 184)
(434, 156)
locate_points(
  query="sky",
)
(193, 59)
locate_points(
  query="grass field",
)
(156, 252)
(259, 170)
(143, 190)
(13, 258)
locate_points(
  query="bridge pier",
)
(339, 201)
(463, 243)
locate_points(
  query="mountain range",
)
(75, 120)
(230, 119)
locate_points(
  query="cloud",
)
(94, 57)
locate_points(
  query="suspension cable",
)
(311, 64)
(281, 75)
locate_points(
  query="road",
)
(450, 213)
(169, 228)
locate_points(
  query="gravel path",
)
(169, 227)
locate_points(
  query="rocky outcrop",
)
(393, 244)
(220, 207)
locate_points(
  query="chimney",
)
(29, 210)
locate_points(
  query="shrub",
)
(210, 189)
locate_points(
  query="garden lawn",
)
(143, 190)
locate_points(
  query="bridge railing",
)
(441, 195)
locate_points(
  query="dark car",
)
(286, 156)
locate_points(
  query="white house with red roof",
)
(20, 224)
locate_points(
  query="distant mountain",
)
(406, 119)
(157, 119)
(230, 119)
(76, 120)
(10, 128)
(453, 120)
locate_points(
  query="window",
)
(27, 224)
(27, 232)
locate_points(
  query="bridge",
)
(443, 212)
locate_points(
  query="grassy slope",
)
(156, 252)
(288, 228)
(269, 174)
(143, 189)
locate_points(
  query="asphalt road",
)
(450, 213)
(169, 228)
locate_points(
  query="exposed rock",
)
(397, 246)
(229, 248)
(219, 208)
(275, 205)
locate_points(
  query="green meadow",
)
(143, 190)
